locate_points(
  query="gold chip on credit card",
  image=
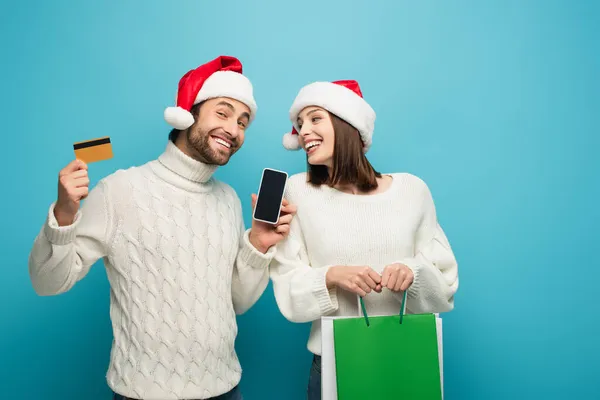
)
(93, 150)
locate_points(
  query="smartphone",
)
(270, 196)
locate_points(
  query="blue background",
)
(495, 104)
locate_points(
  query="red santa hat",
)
(341, 98)
(221, 77)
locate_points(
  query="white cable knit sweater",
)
(336, 228)
(180, 266)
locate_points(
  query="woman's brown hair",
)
(350, 165)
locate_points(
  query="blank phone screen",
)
(270, 196)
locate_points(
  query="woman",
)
(356, 231)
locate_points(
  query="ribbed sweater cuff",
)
(415, 267)
(60, 235)
(327, 298)
(252, 257)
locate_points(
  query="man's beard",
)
(199, 141)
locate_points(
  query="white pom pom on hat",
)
(178, 118)
(221, 77)
(342, 98)
(291, 140)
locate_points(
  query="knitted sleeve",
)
(434, 266)
(63, 255)
(250, 272)
(300, 289)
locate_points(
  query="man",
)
(178, 258)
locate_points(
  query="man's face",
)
(219, 130)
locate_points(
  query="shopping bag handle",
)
(364, 309)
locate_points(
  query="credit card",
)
(93, 150)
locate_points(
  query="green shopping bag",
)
(389, 357)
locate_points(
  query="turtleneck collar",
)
(185, 166)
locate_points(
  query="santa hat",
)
(341, 98)
(221, 77)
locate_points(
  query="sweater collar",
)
(185, 166)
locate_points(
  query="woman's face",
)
(316, 135)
